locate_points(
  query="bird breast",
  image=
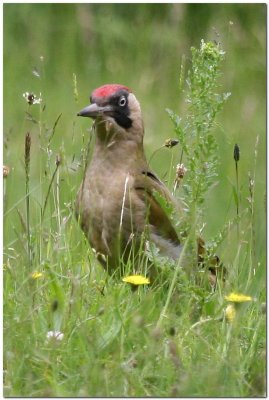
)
(107, 208)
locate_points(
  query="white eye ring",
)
(122, 101)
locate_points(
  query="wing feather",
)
(145, 185)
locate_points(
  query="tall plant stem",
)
(236, 159)
(27, 192)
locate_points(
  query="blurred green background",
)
(141, 46)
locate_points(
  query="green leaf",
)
(111, 332)
(57, 300)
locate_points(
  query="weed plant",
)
(70, 330)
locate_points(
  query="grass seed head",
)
(171, 143)
(236, 153)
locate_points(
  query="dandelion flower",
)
(57, 335)
(238, 298)
(136, 280)
(36, 275)
(230, 313)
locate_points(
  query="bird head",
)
(116, 110)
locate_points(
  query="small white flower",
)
(57, 335)
(38, 100)
(31, 98)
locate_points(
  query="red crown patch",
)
(108, 90)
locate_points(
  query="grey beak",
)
(93, 110)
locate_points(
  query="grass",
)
(168, 339)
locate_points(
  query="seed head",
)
(236, 153)
(180, 171)
(171, 143)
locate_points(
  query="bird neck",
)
(118, 146)
(118, 152)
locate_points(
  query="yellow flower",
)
(238, 298)
(136, 280)
(230, 313)
(36, 275)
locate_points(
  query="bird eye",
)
(122, 101)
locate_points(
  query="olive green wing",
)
(157, 199)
